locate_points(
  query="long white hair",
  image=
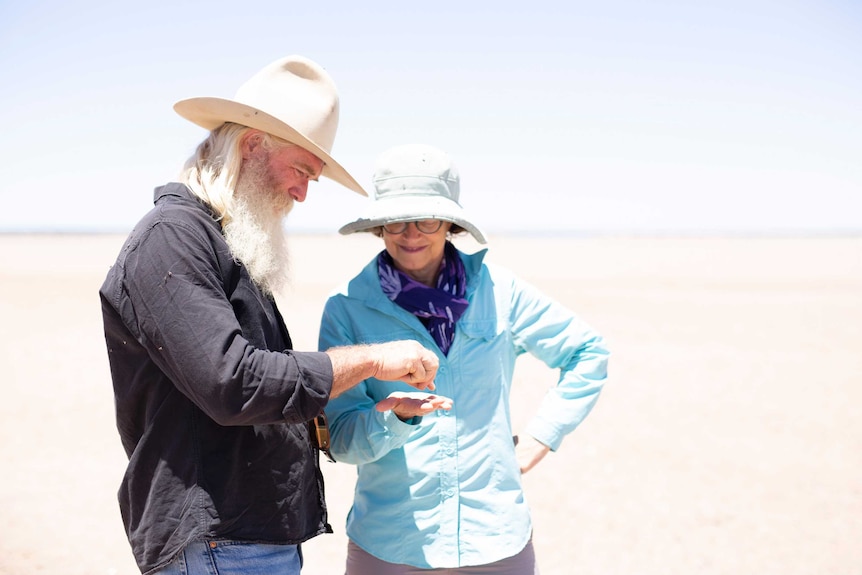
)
(251, 216)
(212, 172)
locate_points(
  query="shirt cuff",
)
(544, 433)
(397, 425)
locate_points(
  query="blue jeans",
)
(233, 557)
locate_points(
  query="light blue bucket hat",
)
(414, 182)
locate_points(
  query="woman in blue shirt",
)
(439, 476)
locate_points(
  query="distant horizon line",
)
(644, 233)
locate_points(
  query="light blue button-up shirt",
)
(445, 490)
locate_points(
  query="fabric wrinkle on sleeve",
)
(359, 433)
(192, 333)
(560, 339)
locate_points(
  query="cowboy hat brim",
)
(210, 113)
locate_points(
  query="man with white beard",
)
(213, 406)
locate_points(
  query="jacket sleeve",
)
(176, 306)
(559, 338)
(358, 432)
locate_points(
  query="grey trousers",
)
(359, 562)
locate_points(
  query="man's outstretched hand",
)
(404, 360)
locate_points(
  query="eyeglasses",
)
(319, 429)
(424, 226)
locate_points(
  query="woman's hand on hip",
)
(529, 451)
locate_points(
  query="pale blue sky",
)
(613, 116)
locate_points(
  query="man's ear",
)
(251, 143)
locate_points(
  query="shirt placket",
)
(447, 452)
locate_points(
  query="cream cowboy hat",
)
(293, 98)
(414, 182)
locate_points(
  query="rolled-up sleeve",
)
(172, 298)
(562, 340)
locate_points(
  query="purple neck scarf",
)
(440, 308)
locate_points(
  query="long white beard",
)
(255, 234)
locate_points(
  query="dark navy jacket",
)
(211, 403)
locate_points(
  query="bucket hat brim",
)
(407, 207)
